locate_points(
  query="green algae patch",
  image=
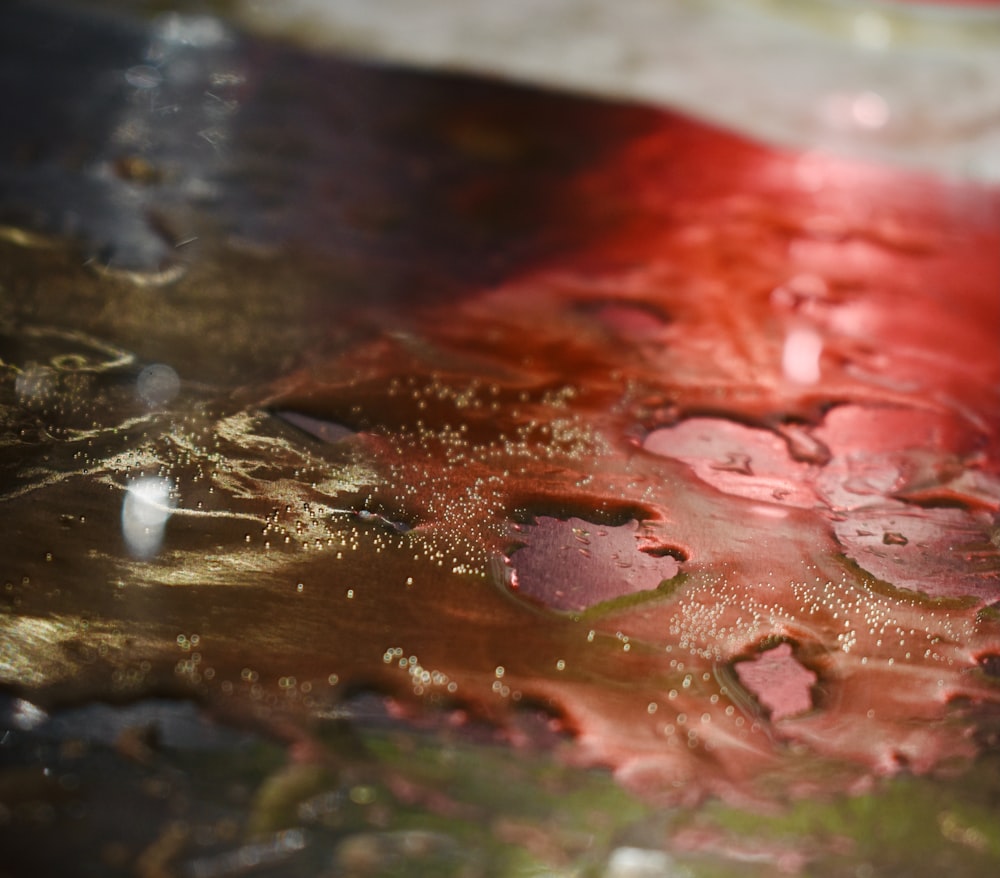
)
(918, 826)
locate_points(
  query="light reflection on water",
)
(801, 354)
(148, 505)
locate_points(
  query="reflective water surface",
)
(405, 474)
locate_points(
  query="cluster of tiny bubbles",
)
(421, 679)
(130, 679)
(454, 508)
(312, 525)
(461, 484)
(187, 643)
(874, 617)
(707, 629)
(35, 384)
(55, 380)
(566, 437)
(250, 678)
(190, 666)
(499, 687)
(472, 397)
(291, 686)
(843, 616)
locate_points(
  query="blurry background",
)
(917, 83)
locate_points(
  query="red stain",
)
(641, 378)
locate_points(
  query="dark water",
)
(407, 474)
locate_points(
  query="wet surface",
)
(576, 564)
(543, 422)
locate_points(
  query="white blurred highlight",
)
(800, 355)
(158, 385)
(866, 111)
(27, 716)
(869, 110)
(147, 506)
